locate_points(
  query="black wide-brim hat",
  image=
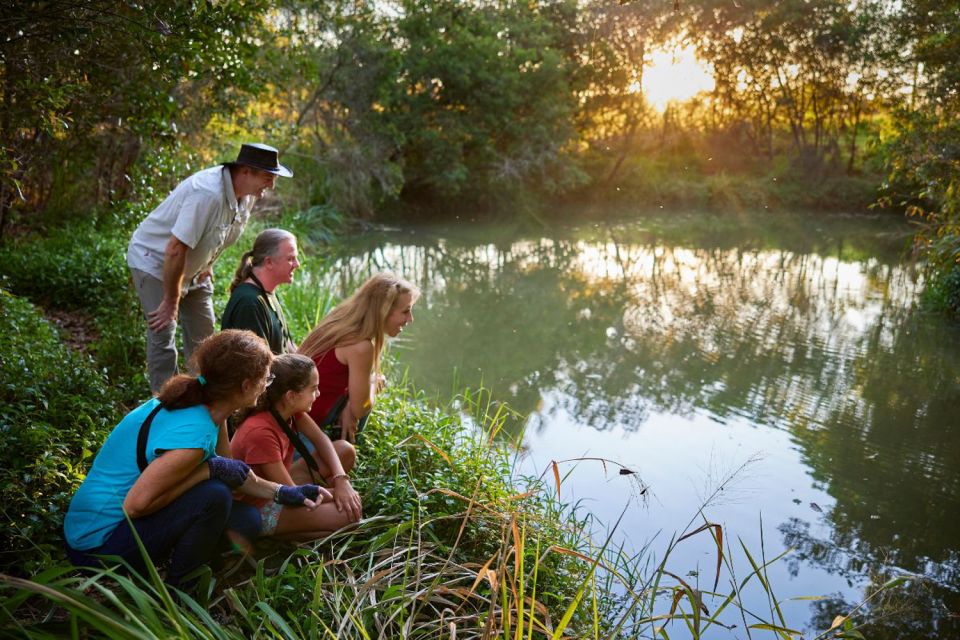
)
(262, 157)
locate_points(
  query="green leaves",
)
(86, 84)
(54, 408)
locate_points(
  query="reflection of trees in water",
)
(917, 610)
(822, 343)
(770, 335)
(620, 328)
(895, 475)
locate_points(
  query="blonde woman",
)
(346, 347)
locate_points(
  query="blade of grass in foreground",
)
(98, 616)
(568, 614)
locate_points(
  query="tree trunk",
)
(6, 149)
(624, 150)
(853, 134)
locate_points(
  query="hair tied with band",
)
(202, 381)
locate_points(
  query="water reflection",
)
(802, 324)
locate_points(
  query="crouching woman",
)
(166, 466)
(346, 347)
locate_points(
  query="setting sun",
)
(674, 74)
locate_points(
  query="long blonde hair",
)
(362, 316)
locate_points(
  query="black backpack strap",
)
(334, 414)
(142, 438)
(297, 444)
(331, 422)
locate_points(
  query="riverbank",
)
(452, 536)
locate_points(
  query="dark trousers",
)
(188, 531)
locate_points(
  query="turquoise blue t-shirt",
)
(97, 507)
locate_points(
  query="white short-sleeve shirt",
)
(203, 213)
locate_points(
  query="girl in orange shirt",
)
(265, 441)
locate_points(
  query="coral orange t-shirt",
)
(259, 441)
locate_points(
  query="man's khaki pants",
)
(195, 316)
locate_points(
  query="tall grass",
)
(454, 545)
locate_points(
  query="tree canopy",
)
(442, 104)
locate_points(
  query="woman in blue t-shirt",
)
(167, 466)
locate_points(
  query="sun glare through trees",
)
(673, 75)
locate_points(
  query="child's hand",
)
(347, 499)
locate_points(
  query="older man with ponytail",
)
(253, 304)
(162, 467)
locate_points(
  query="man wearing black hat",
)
(171, 254)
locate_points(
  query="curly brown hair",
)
(224, 360)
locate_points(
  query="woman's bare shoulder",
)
(362, 349)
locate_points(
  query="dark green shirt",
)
(254, 309)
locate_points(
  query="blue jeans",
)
(188, 531)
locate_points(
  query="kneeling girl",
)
(266, 441)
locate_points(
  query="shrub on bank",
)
(74, 267)
(55, 411)
(700, 184)
(943, 291)
(82, 269)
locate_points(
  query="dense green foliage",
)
(55, 410)
(924, 157)
(804, 76)
(437, 105)
(81, 270)
(84, 86)
(70, 268)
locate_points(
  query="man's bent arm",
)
(174, 262)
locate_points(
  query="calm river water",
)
(789, 351)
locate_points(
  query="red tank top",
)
(334, 383)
